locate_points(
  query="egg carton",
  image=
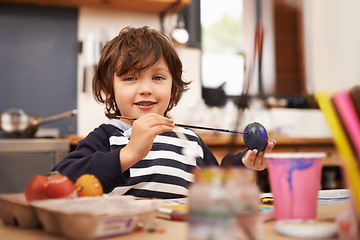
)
(80, 218)
(95, 217)
(16, 211)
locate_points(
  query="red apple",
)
(60, 186)
(36, 188)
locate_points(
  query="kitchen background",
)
(43, 72)
(48, 54)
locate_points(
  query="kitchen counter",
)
(220, 146)
(60, 146)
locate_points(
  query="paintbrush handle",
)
(209, 128)
(192, 126)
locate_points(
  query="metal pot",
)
(15, 123)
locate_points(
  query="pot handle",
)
(57, 117)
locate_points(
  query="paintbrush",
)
(192, 126)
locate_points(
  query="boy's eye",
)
(158, 78)
(129, 79)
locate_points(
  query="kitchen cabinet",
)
(21, 159)
(156, 6)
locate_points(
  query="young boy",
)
(139, 75)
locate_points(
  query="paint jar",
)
(224, 204)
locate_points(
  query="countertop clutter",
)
(158, 228)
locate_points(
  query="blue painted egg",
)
(256, 136)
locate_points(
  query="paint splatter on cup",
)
(295, 181)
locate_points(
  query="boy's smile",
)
(145, 104)
(148, 91)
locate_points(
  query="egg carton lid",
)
(95, 217)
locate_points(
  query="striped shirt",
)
(166, 172)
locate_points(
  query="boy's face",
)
(146, 92)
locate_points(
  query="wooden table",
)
(167, 230)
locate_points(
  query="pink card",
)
(347, 114)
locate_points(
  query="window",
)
(270, 33)
(222, 61)
(217, 28)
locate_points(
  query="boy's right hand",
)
(144, 131)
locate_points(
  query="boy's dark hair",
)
(131, 50)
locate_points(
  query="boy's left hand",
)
(256, 161)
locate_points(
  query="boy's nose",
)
(146, 88)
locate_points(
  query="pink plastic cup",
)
(295, 183)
